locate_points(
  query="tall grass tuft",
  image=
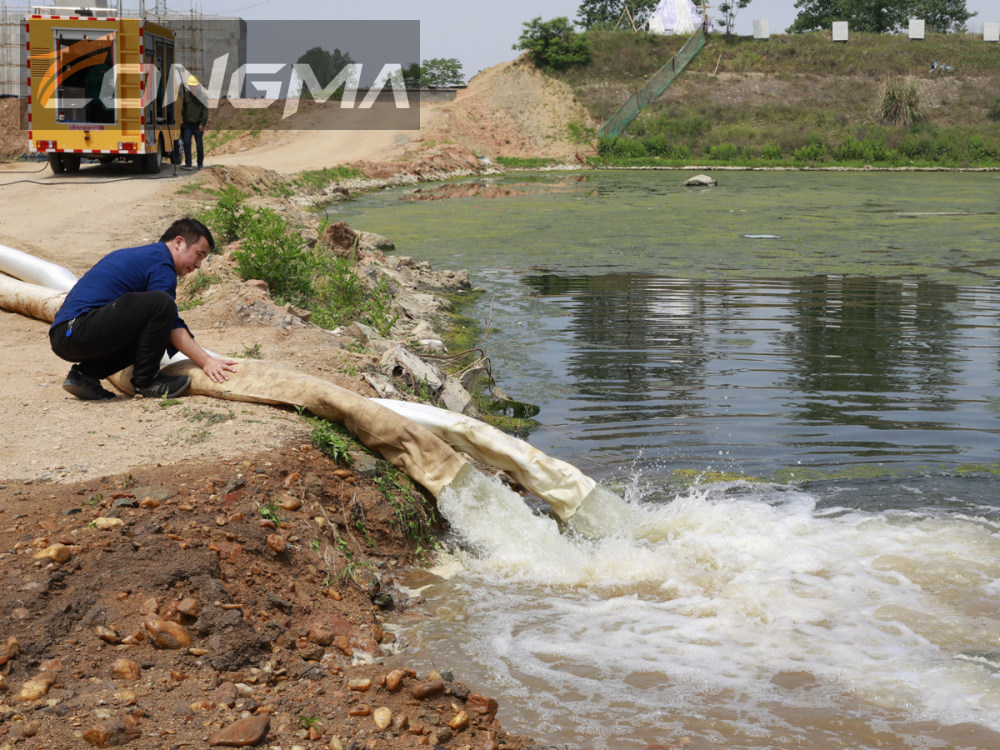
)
(898, 102)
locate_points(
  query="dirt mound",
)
(420, 164)
(514, 110)
(13, 140)
(249, 180)
(161, 607)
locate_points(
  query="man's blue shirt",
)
(149, 268)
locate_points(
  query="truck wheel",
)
(151, 163)
(71, 162)
(56, 162)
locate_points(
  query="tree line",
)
(555, 44)
(437, 71)
(876, 16)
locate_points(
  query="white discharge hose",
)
(560, 484)
(35, 271)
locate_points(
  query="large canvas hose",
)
(29, 268)
(30, 299)
(560, 484)
(424, 457)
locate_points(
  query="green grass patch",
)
(271, 511)
(415, 516)
(523, 162)
(197, 284)
(192, 186)
(275, 251)
(250, 351)
(316, 179)
(208, 416)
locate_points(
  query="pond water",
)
(818, 354)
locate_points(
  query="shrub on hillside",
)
(553, 44)
(770, 152)
(850, 149)
(866, 150)
(724, 152)
(814, 150)
(226, 218)
(657, 145)
(680, 152)
(916, 147)
(621, 148)
(272, 252)
(981, 150)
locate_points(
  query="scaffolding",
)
(11, 44)
(189, 35)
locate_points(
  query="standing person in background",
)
(194, 119)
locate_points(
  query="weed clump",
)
(898, 102)
(333, 440)
(994, 111)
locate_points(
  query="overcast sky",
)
(481, 34)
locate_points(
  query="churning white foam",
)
(742, 598)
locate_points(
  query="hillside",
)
(743, 99)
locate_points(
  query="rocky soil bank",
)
(232, 604)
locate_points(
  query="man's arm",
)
(215, 367)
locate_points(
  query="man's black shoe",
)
(163, 386)
(85, 387)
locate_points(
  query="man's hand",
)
(217, 369)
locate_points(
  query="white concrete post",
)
(761, 28)
(916, 28)
(991, 32)
(840, 31)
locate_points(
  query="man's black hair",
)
(191, 230)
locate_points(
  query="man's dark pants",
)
(134, 329)
(187, 132)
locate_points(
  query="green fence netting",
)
(655, 86)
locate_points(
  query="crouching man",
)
(124, 312)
